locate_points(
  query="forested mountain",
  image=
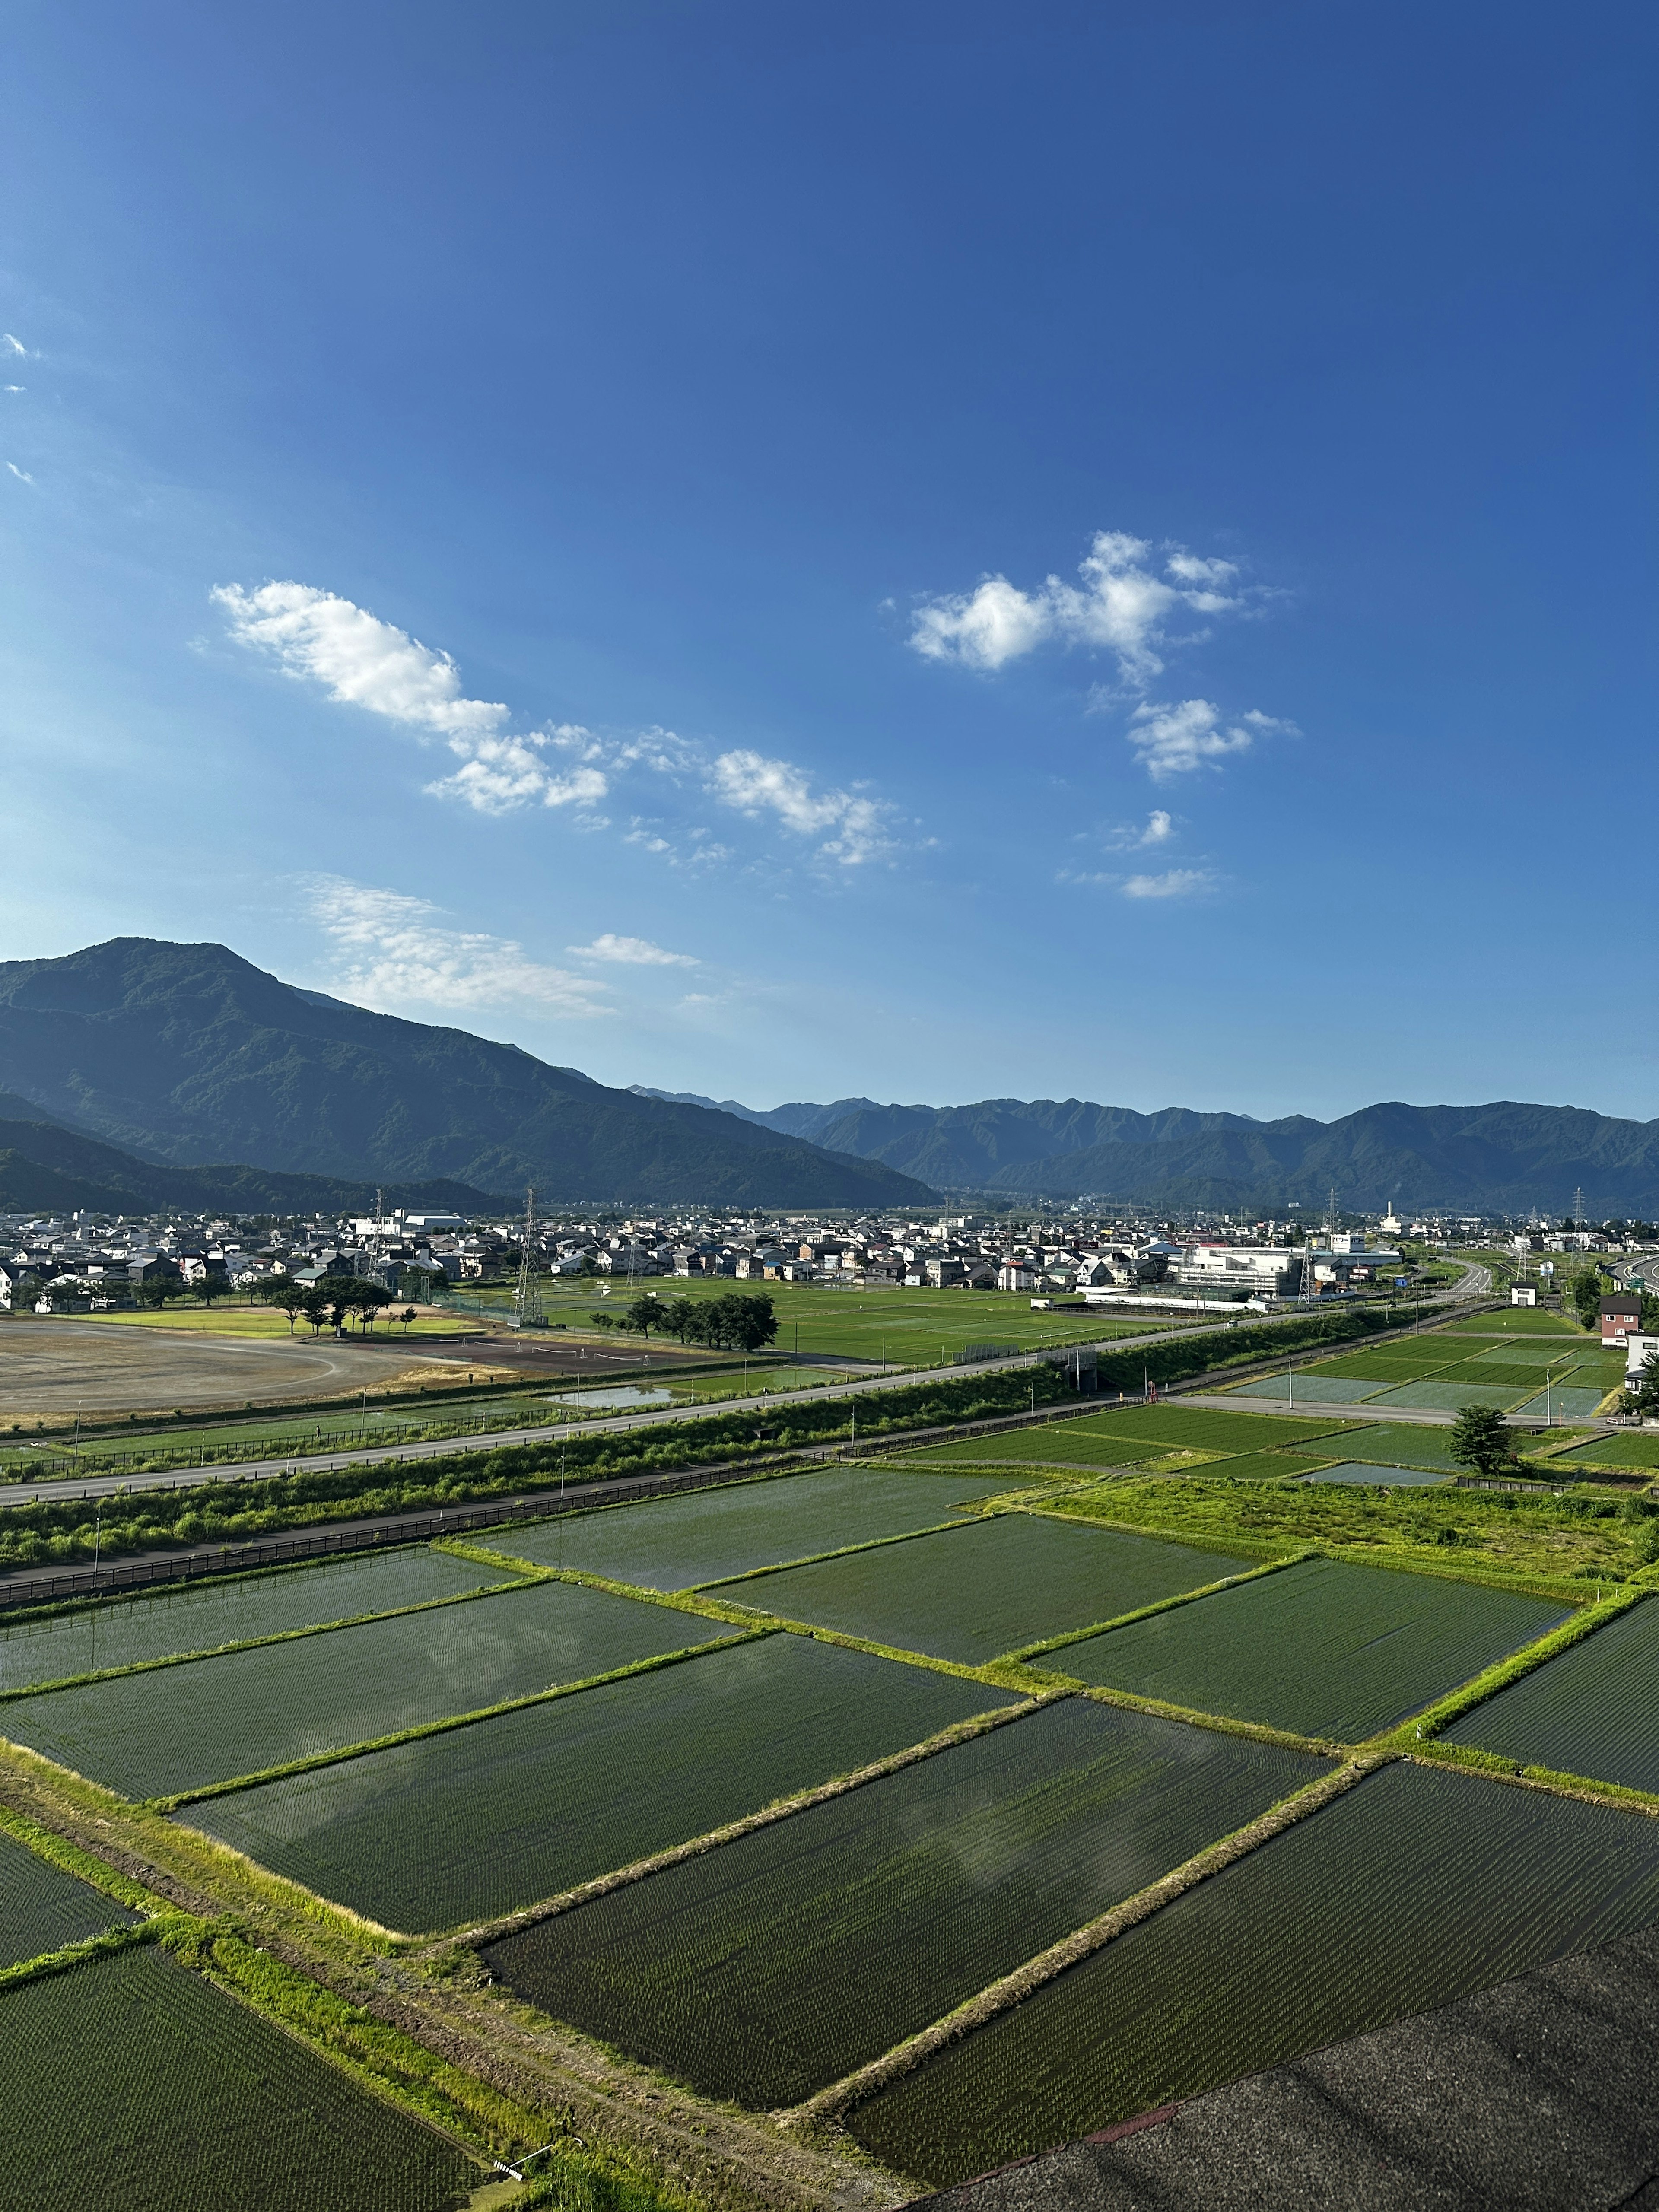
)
(186, 1054)
(1499, 1157)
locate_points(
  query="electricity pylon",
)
(527, 1298)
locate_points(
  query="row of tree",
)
(738, 1323)
(330, 1302)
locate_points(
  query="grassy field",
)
(1512, 1533)
(1056, 1444)
(673, 1543)
(42, 1908)
(1516, 1320)
(1593, 1709)
(972, 1593)
(765, 1970)
(484, 1820)
(80, 1638)
(227, 1317)
(130, 2081)
(1405, 1444)
(1322, 1648)
(1412, 1889)
(174, 1728)
(1374, 1472)
(1635, 1450)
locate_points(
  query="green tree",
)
(679, 1318)
(1480, 1439)
(334, 1296)
(603, 1320)
(740, 1322)
(1587, 1297)
(368, 1296)
(286, 1294)
(208, 1286)
(646, 1314)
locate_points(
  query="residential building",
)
(1620, 1315)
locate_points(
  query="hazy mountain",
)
(184, 1055)
(44, 1167)
(1500, 1157)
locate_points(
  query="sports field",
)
(670, 1543)
(1412, 1889)
(762, 1970)
(484, 1819)
(1326, 1649)
(971, 1593)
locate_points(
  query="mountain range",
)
(1502, 1157)
(187, 1056)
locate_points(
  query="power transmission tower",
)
(527, 1298)
(1578, 1209)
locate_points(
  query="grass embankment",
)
(1463, 1532)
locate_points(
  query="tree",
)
(679, 1318)
(589, 1265)
(406, 1316)
(646, 1314)
(737, 1323)
(1587, 1295)
(603, 1320)
(208, 1286)
(368, 1296)
(286, 1294)
(1642, 1390)
(334, 1296)
(418, 1282)
(1480, 1439)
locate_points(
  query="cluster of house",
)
(93, 1264)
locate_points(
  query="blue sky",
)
(935, 552)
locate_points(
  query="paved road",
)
(860, 1386)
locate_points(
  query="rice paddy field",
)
(747, 1971)
(671, 1543)
(52, 1647)
(1638, 1450)
(1378, 1473)
(971, 1593)
(1320, 1648)
(1415, 1888)
(1445, 1370)
(485, 1820)
(130, 2081)
(1592, 1710)
(204, 1720)
(42, 1908)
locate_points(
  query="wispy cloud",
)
(15, 388)
(755, 785)
(392, 950)
(22, 475)
(8, 344)
(318, 637)
(1124, 604)
(1174, 883)
(1134, 837)
(1180, 739)
(631, 952)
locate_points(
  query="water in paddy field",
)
(621, 1394)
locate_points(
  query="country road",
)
(95, 1486)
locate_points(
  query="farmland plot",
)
(1411, 1444)
(1593, 1710)
(670, 1543)
(1640, 1453)
(1203, 1428)
(1417, 1887)
(42, 1908)
(486, 1819)
(968, 1593)
(1376, 1474)
(1313, 1386)
(210, 1720)
(1055, 1444)
(131, 2082)
(1445, 1397)
(1328, 1650)
(766, 1970)
(52, 1647)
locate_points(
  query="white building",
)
(1248, 1269)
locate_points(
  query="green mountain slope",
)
(1503, 1157)
(186, 1053)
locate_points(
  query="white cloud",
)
(754, 785)
(1179, 739)
(17, 387)
(10, 344)
(632, 951)
(22, 475)
(1123, 606)
(1174, 883)
(393, 951)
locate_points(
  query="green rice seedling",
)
(1416, 1887)
(207, 1721)
(670, 1543)
(1322, 1648)
(130, 2081)
(968, 1593)
(765, 1970)
(42, 1908)
(1448, 1397)
(1593, 1710)
(486, 1819)
(78, 1639)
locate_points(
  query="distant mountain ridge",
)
(180, 1055)
(1503, 1158)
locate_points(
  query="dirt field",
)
(49, 1367)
